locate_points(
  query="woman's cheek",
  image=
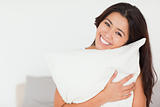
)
(116, 41)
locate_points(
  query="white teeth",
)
(103, 41)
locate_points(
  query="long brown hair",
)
(137, 30)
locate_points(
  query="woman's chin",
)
(103, 46)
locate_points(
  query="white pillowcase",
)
(81, 74)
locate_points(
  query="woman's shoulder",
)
(91, 47)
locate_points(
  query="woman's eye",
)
(118, 34)
(107, 24)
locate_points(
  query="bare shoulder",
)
(91, 47)
(139, 83)
(139, 99)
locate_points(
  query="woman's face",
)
(112, 32)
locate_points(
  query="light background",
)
(29, 29)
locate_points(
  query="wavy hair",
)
(137, 30)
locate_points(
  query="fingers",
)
(124, 80)
(113, 76)
(127, 87)
(126, 96)
(128, 91)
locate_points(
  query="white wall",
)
(31, 28)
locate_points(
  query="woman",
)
(119, 25)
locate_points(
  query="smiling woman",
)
(119, 25)
(126, 24)
(112, 32)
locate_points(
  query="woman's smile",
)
(105, 42)
(112, 32)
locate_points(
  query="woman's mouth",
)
(104, 41)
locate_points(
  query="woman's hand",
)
(115, 91)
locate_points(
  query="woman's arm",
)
(58, 101)
(93, 102)
(139, 99)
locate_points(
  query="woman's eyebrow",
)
(109, 21)
(117, 28)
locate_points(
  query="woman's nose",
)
(109, 35)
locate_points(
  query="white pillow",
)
(81, 74)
